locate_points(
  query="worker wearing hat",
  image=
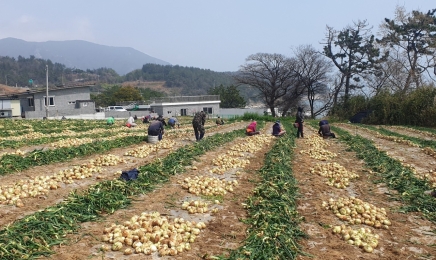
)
(278, 129)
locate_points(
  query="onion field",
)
(364, 195)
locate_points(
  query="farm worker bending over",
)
(324, 129)
(277, 129)
(162, 119)
(110, 120)
(251, 129)
(299, 119)
(198, 124)
(146, 119)
(130, 122)
(172, 122)
(219, 121)
(156, 128)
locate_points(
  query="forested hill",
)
(31, 72)
(189, 80)
(193, 81)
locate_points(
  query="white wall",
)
(99, 115)
(231, 112)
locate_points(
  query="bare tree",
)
(292, 97)
(392, 77)
(271, 74)
(312, 70)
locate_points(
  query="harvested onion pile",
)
(226, 162)
(235, 153)
(355, 211)
(208, 186)
(145, 150)
(253, 144)
(165, 144)
(17, 152)
(40, 185)
(31, 135)
(140, 152)
(319, 154)
(107, 160)
(149, 233)
(362, 237)
(316, 141)
(195, 206)
(77, 173)
(71, 142)
(12, 195)
(317, 150)
(337, 175)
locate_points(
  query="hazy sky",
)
(216, 35)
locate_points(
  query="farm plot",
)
(420, 161)
(222, 230)
(227, 128)
(19, 133)
(425, 135)
(358, 219)
(49, 196)
(67, 138)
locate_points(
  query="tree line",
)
(31, 72)
(193, 81)
(354, 71)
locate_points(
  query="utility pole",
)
(46, 98)
(6, 79)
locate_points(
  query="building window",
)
(50, 101)
(207, 110)
(31, 101)
(71, 102)
(183, 112)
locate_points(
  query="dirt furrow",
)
(10, 213)
(409, 237)
(224, 229)
(413, 156)
(411, 132)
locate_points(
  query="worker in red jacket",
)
(251, 129)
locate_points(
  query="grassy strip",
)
(17, 127)
(32, 236)
(13, 163)
(424, 129)
(49, 139)
(273, 223)
(421, 142)
(427, 130)
(410, 189)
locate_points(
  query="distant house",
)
(9, 106)
(62, 101)
(179, 106)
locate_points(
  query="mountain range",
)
(80, 54)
